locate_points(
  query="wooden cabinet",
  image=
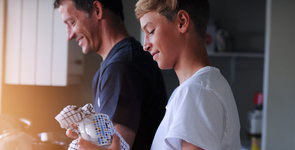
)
(37, 51)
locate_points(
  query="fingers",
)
(116, 143)
(75, 126)
(86, 145)
(72, 134)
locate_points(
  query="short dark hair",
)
(198, 10)
(116, 6)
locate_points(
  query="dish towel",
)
(73, 114)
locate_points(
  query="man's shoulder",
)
(123, 50)
(131, 51)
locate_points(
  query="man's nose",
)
(70, 33)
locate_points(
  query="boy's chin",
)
(163, 67)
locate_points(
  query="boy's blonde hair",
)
(198, 10)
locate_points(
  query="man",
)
(129, 86)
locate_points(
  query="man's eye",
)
(152, 32)
(72, 23)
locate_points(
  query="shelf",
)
(235, 54)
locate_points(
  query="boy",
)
(201, 112)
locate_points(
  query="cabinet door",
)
(13, 41)
(44, 42)
(37, 49)
(28, 42)
(60, 52)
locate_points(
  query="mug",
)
(97, 128)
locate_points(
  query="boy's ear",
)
(183, 21)
(97, 8)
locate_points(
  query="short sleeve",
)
(122, 88)
(198, 118)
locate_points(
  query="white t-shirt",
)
(201, 111)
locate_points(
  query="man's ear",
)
(97, 8)
(183, 21)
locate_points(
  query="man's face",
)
(160, 39)
(80, 26)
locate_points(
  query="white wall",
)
(1, 44)
(131, 22)
(279, 73)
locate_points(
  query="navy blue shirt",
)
(129, 87)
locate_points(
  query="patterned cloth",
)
(73, 114)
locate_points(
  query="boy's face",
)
(80, 27)
(161, 39)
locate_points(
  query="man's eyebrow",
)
(66, 20)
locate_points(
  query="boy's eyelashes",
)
(152, 31)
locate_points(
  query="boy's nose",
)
(146, 47)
